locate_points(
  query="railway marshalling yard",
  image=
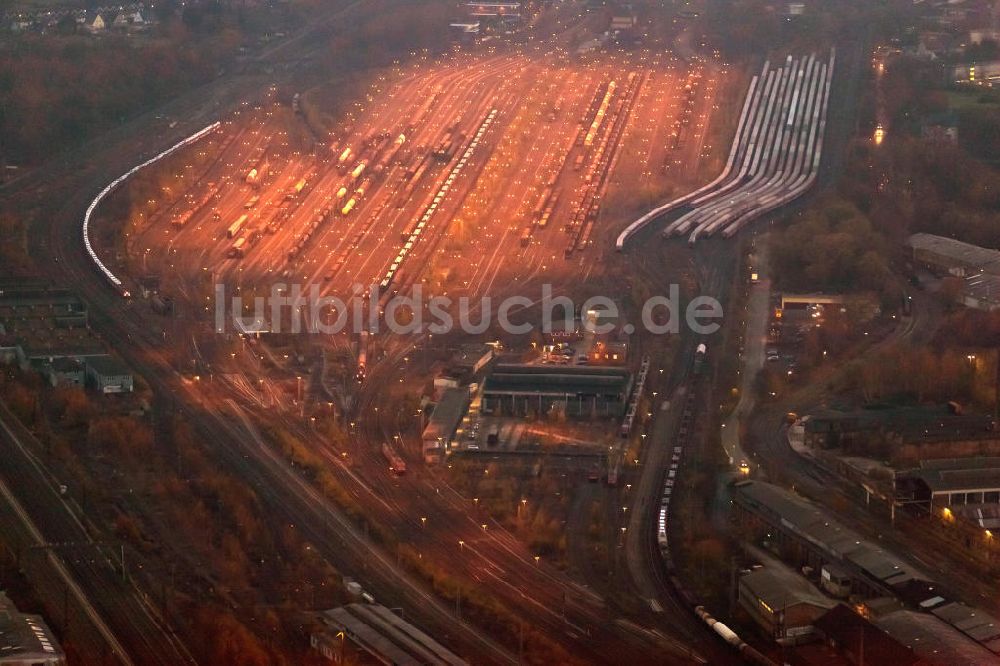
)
(477, 173)
(473, 173)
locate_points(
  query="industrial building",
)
(470, 359)
(783, 603)
(899, 433)
(977, 267)
(939, 641)
(947, 256)
(64, 372)
(582, 391)
(952, 482)
(381, 635)
(444, 421)
(107, 374)
(812, 538)
(808, 536)
(45, 322)
(861, 642)
(981, 291)
(26, 639)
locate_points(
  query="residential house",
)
(94, 22)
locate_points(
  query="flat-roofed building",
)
(783, 603)
(953, 482)
(444, 422)
(810, 536)
(582, 391)
(903, 435)
(65, 372)
(981, 291)
(46, 322)
(947, 256)
(107, 374)
(470, 359)
(937, 641)
(792, 301)
(381, 634)
(26, 640)
(862, 642)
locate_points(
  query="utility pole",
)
(65, 608)
(732, 585)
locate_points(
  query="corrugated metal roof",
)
(447, 414)
(780, 588)
(963, 254)
(958, 474)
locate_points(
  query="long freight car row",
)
(456, 170)
(681, 443)
(581, 223)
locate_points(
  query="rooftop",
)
(447, 414)
(66, 364)
(810, 523)
(972, 622)
(25, 638)
(964, 254)
(959, 474)
(913, 423)
(983, 287)
(934, 640)
(780, 587)
(387, 636)
(541, 380)
(850, 630)
(108, 366)
(471, 354)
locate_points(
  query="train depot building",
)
(962, 485)
(26, 639)
(443, 424)
(899, 599)
(784, 604)
(539, 390)
(362, 633)
(977, 267)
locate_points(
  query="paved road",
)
(755, 340)
(779, 462)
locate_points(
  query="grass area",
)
(977, 98)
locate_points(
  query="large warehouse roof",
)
(962, 254)
(960, 474)
(447, 414)
(545, 380)
(781, 588)
(815, 526)
(387, 637)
